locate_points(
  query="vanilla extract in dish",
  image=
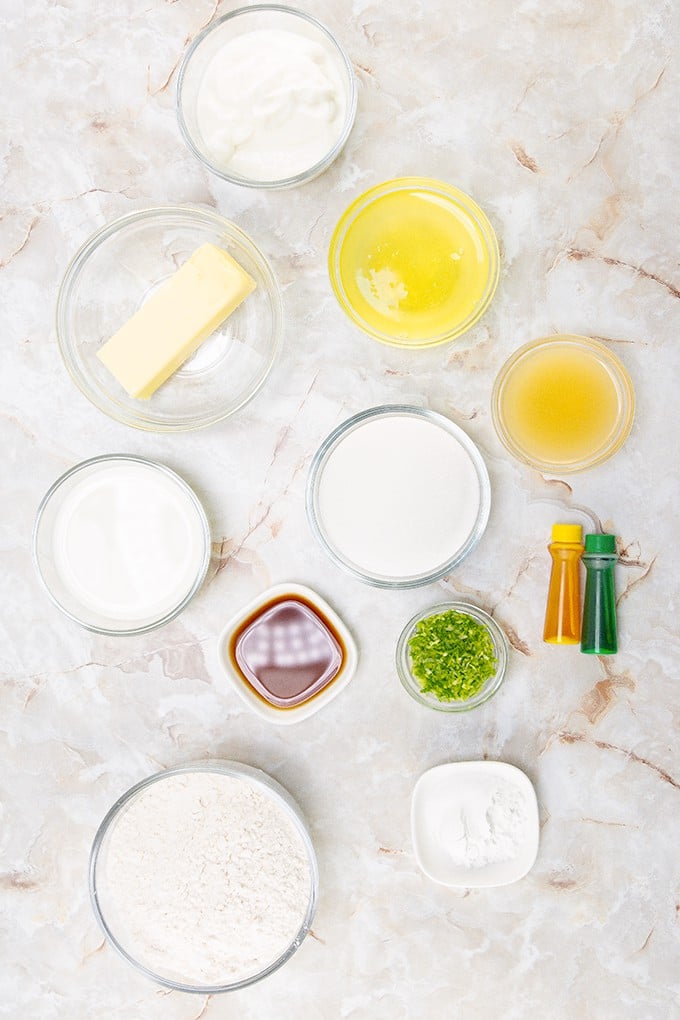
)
(287, 651)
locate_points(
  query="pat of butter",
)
(175, 320)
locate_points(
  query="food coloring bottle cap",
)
(604, 544)
(567, 533)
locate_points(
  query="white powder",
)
(489, 831)
(204, 878)
(399, 496)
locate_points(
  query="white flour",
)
(490, 831)
(205, 879)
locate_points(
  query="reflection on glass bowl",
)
(112, 276)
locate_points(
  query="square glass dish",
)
(287, 653)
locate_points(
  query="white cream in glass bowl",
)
(266, 97)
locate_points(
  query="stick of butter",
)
(175, 320)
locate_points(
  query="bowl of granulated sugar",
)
(204, 876)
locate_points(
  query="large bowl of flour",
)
(204, 876)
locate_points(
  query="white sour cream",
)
(128, 543)
(399, 497)
(272, 103)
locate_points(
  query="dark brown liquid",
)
(287, 651)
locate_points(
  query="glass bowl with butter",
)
(169, 319)
(266, 97)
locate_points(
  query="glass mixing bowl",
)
(254, 777)
(201, 52)
(354, 496)
(110, 278)
(394, 248)
(563, 403)
(46, 560)
(411, 683)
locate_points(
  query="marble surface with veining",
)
(559, 117)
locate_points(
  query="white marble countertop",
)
(559, 119)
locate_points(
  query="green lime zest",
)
(452, 655)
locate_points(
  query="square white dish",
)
(296, 713)
(444, 797)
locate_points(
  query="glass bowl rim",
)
(198, 507)
(284, 182)
(79, 261)
(354, 421)
(411, 684)
(620, 378)
(456, 197)
(226, 767)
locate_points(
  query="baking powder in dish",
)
(486, 830)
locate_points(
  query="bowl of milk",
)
(121, 544)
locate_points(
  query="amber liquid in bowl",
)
(564, 402)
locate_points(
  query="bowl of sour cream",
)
(266, 97)
(121, 544)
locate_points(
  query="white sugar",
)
(399, 496)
